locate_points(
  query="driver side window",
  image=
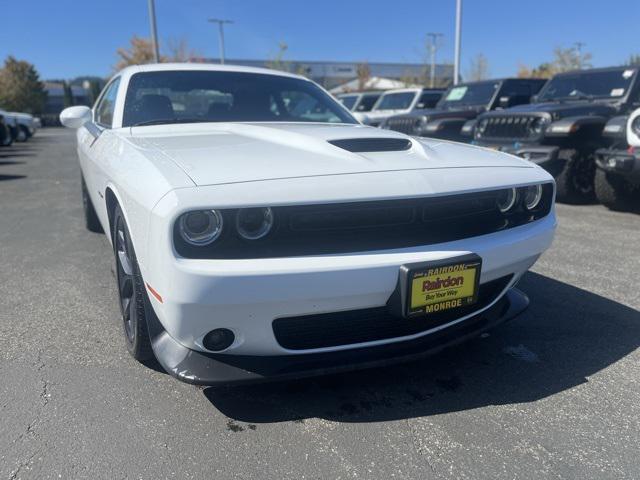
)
(106, 105)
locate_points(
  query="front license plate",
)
(437, 287)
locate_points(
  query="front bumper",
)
(247, 295)
(620, 162)
(202, 368)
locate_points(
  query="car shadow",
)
(10, 162)
(11, 177)
(566, 335)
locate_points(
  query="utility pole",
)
(578, 48)
(154, 32)
(432, 46)
(220, 23)
(456, 61)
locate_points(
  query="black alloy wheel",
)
(131, 291)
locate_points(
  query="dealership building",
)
(332, 74)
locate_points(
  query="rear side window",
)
(428, 100)
(106, 105)
(367, 103)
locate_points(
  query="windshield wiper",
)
(161, 121)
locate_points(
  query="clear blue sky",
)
(67, 38)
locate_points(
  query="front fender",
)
(573, 125)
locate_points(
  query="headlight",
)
(532, 196)
(200, 227)
(536, 126)
(506, 200)
(254, 223)
(481, 126)
(635, 126)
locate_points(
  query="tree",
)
(544, 70)
(277, 62)
(565, 59)
(179, 51)
(572, 58)
(20, 87)
(139, 52)
(479, 69)
(363, 71)
(634, 60)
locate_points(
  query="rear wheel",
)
(91, 221)
(615, 193)
(131, 291)
(575, 183)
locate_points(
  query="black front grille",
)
(371, 324)
(406, 125)
(367, 226)
(510, 127)
(372, 144)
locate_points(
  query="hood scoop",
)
(378, 144)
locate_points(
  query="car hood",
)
(563, 109)
(221, 153)
(435, 113)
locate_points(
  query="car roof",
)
(605, 69)
(210, 67)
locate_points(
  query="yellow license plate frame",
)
(435, 287)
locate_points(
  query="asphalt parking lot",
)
(552, 394)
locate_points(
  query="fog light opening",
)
(218, 339)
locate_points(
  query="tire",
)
(91, 221)
(615, 193)
(575, 183)
(23, 134)
(7, 139)
(131, 291)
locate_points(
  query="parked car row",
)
(572, 125)
(16, 127)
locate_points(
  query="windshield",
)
(395, 101)
(467, 95)
(588, 84)
(186, 96)
(348, 100)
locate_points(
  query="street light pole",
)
(433, 48)
(154, 33)
(456, 61)
(220, 23)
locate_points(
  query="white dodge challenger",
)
(260, 232)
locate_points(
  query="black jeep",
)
(562, 130)
(617, 180)
(453, 116)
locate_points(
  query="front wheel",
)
(131, 291)
(575, 182)
(23, 134)
(615, 193)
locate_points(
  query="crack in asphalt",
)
(30, 431)
(418, 449)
